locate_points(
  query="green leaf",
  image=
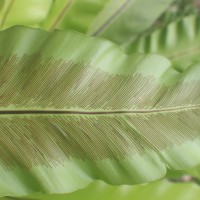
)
(176, 11)
(125, 18)
(23, 12)
(75, 109)
(48, 14)
(99, 190)
(122, 20)
(179, 42)
(78, 17)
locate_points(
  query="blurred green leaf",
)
(122, 20)
(193, 172)
(23, 12)
(176, 11)
(179, 42)
(75, 109)
(78, 17)
(101, 191)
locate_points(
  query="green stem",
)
(61, 15)
(116, 14)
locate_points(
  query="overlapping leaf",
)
(74, 109)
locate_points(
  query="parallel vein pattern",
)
(85, 111)
(116, 115)
(32, 83)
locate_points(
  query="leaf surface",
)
(74, 109)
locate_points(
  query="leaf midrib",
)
(108, 112)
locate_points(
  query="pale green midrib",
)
(95, 112)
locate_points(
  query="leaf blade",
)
(67, 152)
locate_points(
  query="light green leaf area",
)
(23, 12)
(74, 109)
(122, 20)
(125, 18)
(48, 14)
(77, 14)
(179, 42)
(99, 190)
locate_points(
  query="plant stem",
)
(61, 15)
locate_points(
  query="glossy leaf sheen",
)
(124, 18)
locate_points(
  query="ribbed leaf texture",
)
(74, 109)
